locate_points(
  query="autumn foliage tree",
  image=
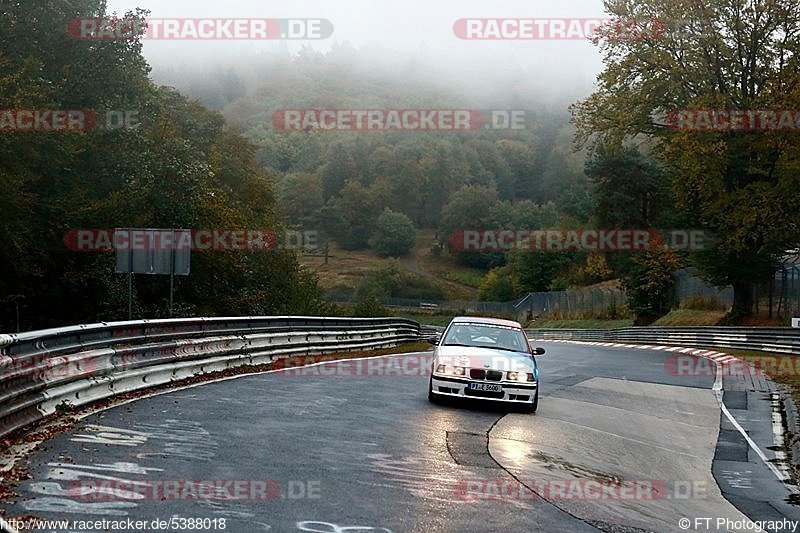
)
(650, 284)
(719, 54)
(181, 167)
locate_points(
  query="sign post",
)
(156, 252)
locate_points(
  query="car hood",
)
(473, 357)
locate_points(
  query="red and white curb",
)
(717, 357)
(780, 470)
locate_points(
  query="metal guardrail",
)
(427, 330)
(783, 340)
(80, 364)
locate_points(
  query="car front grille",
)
(477, 373)
(490, 375)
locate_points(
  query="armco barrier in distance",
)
(81, 364)
(783, 340)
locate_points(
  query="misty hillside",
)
(423, 169)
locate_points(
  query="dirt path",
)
(411, 262)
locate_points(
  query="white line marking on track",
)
(778, 436)
(753, 445)
(718, 392)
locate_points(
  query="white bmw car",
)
(485, 358)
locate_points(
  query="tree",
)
(179, 168)
(340, 168)
(380, 283)
(394, 234)
(471, 207)
(496, 167)
(278, 152)
(563, 177)
(441, 174)
(497, 286)
(631, 190)
(300, 197)
(231, 86)
(538, 271)
(521, 160)
(359, 208)
(650, 284)
(741, 185)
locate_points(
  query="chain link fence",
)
(450, 306)
(777, 298)
(690, 288)
(780, 298)
(595, 301)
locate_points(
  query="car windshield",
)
(486, 335)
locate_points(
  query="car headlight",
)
(447, 369)
(520, 376)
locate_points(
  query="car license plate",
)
(488, 387)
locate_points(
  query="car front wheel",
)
(535, 403)
(431, 396)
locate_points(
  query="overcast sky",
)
(403, 25)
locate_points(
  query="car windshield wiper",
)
(458, 344)
(507, 349)
(490, 346)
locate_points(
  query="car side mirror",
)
(538, 351)
(433, 340)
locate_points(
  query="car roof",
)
(486, 320)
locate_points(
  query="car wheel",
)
(431, 396)
(535, 403)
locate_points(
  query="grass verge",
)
(580, 323)
(690, 317)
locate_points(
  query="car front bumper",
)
(457, 387)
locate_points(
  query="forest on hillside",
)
(356, 186)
